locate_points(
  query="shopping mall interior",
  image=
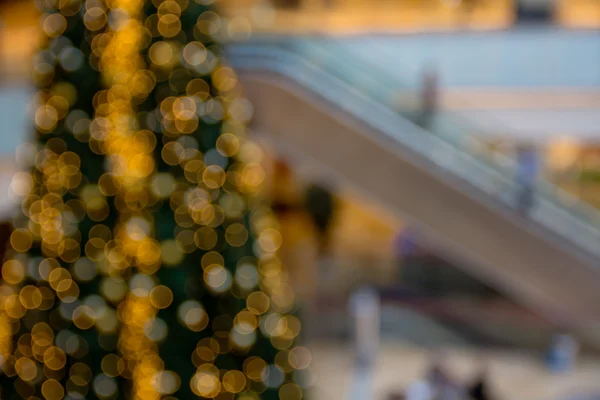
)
(441, 158)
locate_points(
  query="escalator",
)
(313, 97)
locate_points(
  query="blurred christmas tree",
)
(144, 265)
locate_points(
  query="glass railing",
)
(365, 89)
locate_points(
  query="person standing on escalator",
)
(526, 177)
(429, 98)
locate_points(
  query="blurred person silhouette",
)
(407, 251)
(436, 385)
(406, 243)
(429, 97)
(562, 354)
(320, 204)
(526, 177)
(480, 388)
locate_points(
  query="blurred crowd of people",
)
(439, 384)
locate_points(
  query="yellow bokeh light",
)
(205, 382)
(169, 7)
(162, 53)
(80, 373)
(228, 144)
(13, 272)
(290, 391)
(46, 118)
(258, 303)
(198, 88)
(112, 365)
(84, 317)
(205, 238)
(52, 390)
(166, 382)
(26, 368)
(270, 240)
(21, 240)
(163, 185)
(54, 25)
(161, 297)
(245, 322)
(170, 253)
(300, 358)
(206, 351)
(192, 315)
(234, 381)
(54, 358)
(69, 7)
(254, 368)
(59, 279)
(169, 25)
(217, 278)
(194, 53)
(275, 324)
(30, 297)
(236, 235)
(95, 18)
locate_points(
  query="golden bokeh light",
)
(54, 358)
(13, 272)
(161, 297)
(166, 382)
(194, 53)
(300, 358)
(258, 303)
(162, 54)
(30, 297)
(26, 368)
(54, 25)
(205, 382)
(112, 365)
(169, 25)
(52, 390)
(83, 317)
(21, 240)
(290, 391)
(254, 368)
(192, 315)
(80, 373)
(234, 381)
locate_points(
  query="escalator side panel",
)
(506, 251)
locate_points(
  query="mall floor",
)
(514, 376)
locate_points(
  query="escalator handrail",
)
(283, 57)
(342, 61)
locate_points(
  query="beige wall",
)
(580, 13)
(350, 16)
